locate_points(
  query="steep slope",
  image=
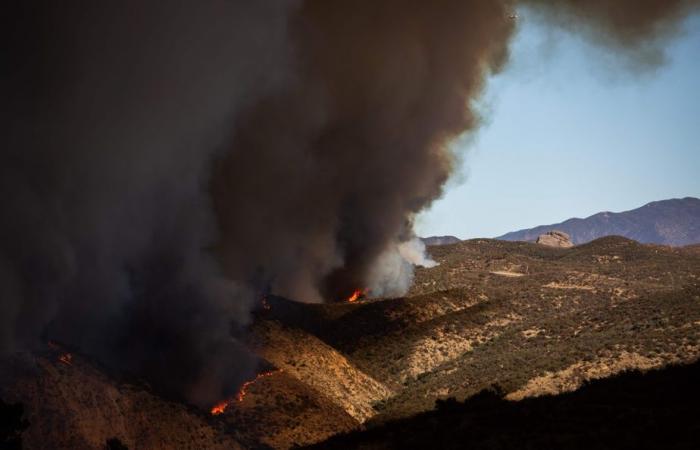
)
(668, 222)
(282, 411)
(73, 404)
(320, 366)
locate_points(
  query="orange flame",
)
(356, 295)
(220, 407)
(66, 359)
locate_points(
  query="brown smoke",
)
(345, 155)
(162, 163)
(112, 114)
(637, 28)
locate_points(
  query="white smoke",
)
(413, 251)
(392, 273)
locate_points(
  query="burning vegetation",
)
(357, 295)
(220, 407)
(66, 358)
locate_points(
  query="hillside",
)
(652, 410)
(531, 319)
(667, 222)
(527, 319)
(76, 404)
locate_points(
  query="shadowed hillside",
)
(655, 410)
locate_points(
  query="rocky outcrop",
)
(555, 239)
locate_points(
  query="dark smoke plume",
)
(113, 113)
(637, 28)
(163, 163)
(350, 150)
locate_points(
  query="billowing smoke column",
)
(113, 113)
(163, 163)
(357, 143)
(347, 152)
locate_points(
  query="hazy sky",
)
(569, 132)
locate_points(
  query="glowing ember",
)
(358, 294)
(66, 358)
(244, 389)
(265, 304)
(220, 407)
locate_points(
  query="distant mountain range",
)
(668, 222)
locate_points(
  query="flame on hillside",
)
(220, 407)
(357, 294)
(65, 357)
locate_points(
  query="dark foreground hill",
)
(634, 410)
(667, 222)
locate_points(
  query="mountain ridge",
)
(674, 222)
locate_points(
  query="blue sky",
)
(570, 132)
